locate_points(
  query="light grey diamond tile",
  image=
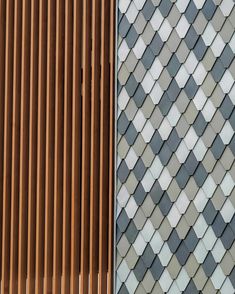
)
(218, 277)
(147, 231)
(182, 5)
(139, 245)
(218, 251)
(165, 280)
(227, 287)
(132, 13)
(131, 283)
(165, 30)
(182, 280)
(182, 27)
(226, 7)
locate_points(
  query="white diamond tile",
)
(200, 252)
(123, 99)
(156, 69)
(156, 93)
(131, 283)
(218, 251)
(226, 7)
(200, 200)
(165, 30)
(147, 181)
(165, 280)
(123, 51)
(165, 255)
(165, 179)
(199, 3)
(199, 99)
(156, 20)
(174, 289)
(208, 110)
(139, 121)
(139, 48)
(209, 35)
(156, 242)
(156, 167)
(139, 245)
(123, 196)
(182, 27)
(182, 5)
(227, 184)
(132, 13)
(190, 138)
(173, 115)
(182, 152)
(226, 133)
(173, 216)
(147, 83)
(182, 77)
(182, 202)
(209, 239)
(191, 63)
(232, 43)
(218, 277)
(147, 231)
(123, 5)
(199, 74)
(199, 150)
(200, 226)
(139, 4)
(165, 129)
(226, 82)
(147, 132)
(123, 271)
(131, 158)
(182, 280)
(217, 46)
(227, 287)
(209, 187)
(131, 208)
(227, 211)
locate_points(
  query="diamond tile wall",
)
(175, 147)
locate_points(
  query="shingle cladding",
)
(175, 148)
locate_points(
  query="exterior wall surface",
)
(175, 147)
(56, 146)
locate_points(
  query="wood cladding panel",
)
(57, 146)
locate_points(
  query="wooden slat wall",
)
(57, 146)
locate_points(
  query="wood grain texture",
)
(57, 146)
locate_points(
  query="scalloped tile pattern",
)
(176, 147)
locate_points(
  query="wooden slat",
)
(41, 142)
(24, 147)
(58, 165)
(76, 149)
(86, 134)
(2, 100)
(32, 179)
(66, 246)
(104, 156)
(15, 148)
(95, 116)
(7, 148)
(50, 138)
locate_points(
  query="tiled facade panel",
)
(175, 147)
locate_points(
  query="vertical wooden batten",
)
(57, 146)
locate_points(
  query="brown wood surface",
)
(57, 146)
